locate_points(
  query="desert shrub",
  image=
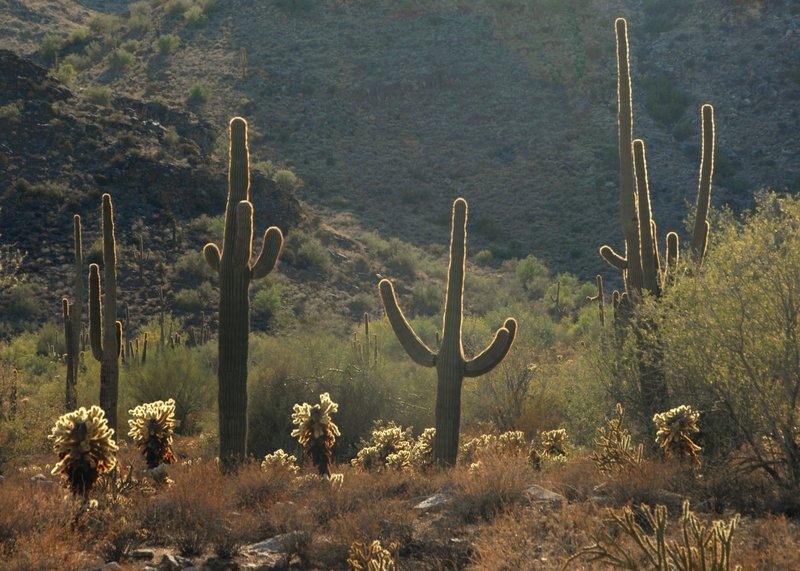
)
(118, 59)
(50, 337)
(192, 267)
(663, 98)
(99, 95)
(195, 299)
(306, 251)
(493, 484)
(287, 181)
(730, 340)
(180, 374)
(194, 16)
(171, 137)
(176, 7)
(20, 303)
(198, 94)
(65, 72)
(168, 43)
(534, 275)
(267, 300)
(50, 46)
(10, 263)
(11, 111)
(78, 36)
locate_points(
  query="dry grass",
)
(486, 525)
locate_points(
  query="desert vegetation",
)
(652, 426)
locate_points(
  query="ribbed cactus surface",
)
(236, 269)
(450, 362)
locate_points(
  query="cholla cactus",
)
(615, 445)
(389, 446)
(372, 557)
(280, 460)
(86, 448)
(554, 444)
(316, 431)
(152, 427)
(421, 456)
(511, 442)
(674, 429)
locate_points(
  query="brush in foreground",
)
(86, 448)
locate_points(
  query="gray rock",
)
(111, 566)
(539, 495)
(278, 544)
(139, 554)
(436, 500)
(174, 563)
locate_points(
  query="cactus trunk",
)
(236, 270)
(104, 329)
(450, 362)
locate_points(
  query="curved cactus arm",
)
(212, 256)
(656, 251)
(119, 337)
(701, 225)
(270, 250)
(490, 357)
(414, 346)
(95, 317)
(613, 259)
(243, 239)
(673, 253)
(646, 237)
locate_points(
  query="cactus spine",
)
(450, 362)
(71, 313)
(105, 331)
(236, 269)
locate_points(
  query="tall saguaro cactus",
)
(72, 321)
(450, 362)
(641, 265)
(236, 269)
(105, 331)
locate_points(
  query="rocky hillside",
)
(60, 152)
(388, 110)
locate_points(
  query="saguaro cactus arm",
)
(490, 357)
(701, 224)
(243, 240)
(270, 250)
(212, 256)
(95, 312)
(647, 238)
(613, 259)
(414, 346)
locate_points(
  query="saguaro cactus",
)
(105, 331)
(72, 321)
(450, 362)
(641, 265)
(236, 269)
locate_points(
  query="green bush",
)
(176, 7)
(198, 94)
(50, 336)
(194, 16)
(118, 59)
(20, 303)
(195, 299)
(50, 47)
(168, 43)
(192, 267)
(305, 251)
(11, 112)
(664, 99)
(93, 51)
(65, 73)
(287, 181)
(534, 275)
(99, 95)
(78, 36)
(181, 374)
(729, 339)
(267, 299)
